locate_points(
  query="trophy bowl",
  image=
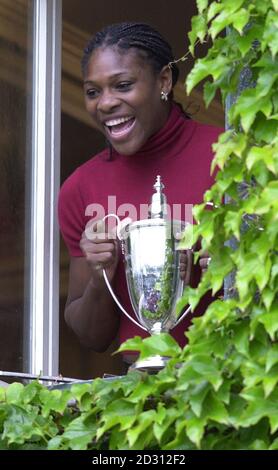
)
(152, 267)
(152, 263)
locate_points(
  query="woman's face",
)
(122, 96)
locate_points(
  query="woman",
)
(129, 75)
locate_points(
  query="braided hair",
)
(134, 35)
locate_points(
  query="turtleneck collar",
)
(163, 141)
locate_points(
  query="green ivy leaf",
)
(164, 421)
(247, 268)
(197, 396)
(258, 408)
(261, 174)
(221, 265)
(207, 221)
(80, 433)
(228, 144)
(207, 368)
(253, 373)
(214, 409)
(200, 26)
(268, 198)
(197, 74)
(236, 408)
(2, 394)
(217, 312)
(14, 393)
(20, 425)
(145, 419)
(142, 391)
(117, 440)
(31, 391)
(214, 342)
(233, 223)
(266, 80)
(214, 8)
(216, 67)
(247, 106)
(264, 154)
(209, 92)
(54, 400)
(56, 443)
(270, 35)
(241, 337)
(163, 344)
(232, 174)
(186, 241)
(265, 130)
(271, 358)
(240, 19)
(274, 445)
(268, 297)
(270, 381)
(244, 42)
(270, 321)
(275, 5)
(79, 390)
(262, 275)
(202, 5)
(195, 429)
(112, 418)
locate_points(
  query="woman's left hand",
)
(204, 261)
(186, 258)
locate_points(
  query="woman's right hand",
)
(101, 251)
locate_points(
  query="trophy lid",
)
(158, 206)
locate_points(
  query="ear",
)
(165, 77)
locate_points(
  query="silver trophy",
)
(152, 267)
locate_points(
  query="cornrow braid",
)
(134, 35)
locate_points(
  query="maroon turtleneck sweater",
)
(180, 153)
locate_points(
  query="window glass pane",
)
(13, 178)
(79, 141)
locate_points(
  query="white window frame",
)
(42, 288)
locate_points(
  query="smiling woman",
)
(129, 74)
(123, 97)
(124, 82)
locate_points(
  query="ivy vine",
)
(220, 391)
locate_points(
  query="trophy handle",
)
(182, 316)
(118, 302)
(109, 285)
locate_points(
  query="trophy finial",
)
(158, 207)
(159, 186)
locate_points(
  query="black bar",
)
(127, 459)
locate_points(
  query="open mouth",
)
(120, 127)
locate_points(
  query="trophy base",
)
(152, 364)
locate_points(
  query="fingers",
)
(104, 251)
(99, 247)
(186, 258)
(183, 263)
(204, 261)
(186, 261)
(100, 260)
(99, 233)
(123, 228)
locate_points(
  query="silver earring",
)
(164, 96)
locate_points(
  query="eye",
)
(124, 86)
(91, 93)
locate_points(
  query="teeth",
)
(115, 122)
